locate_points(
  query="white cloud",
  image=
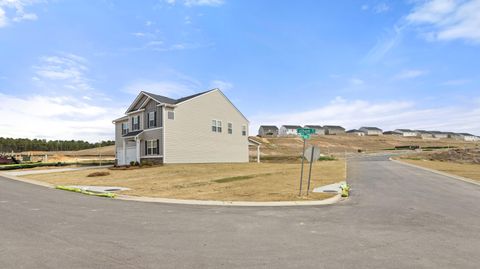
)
(221, 84)
(364, 7)
(191, 3)
(18, 6)
(387, 115)
(63, 71)
(356, 81)
(448, 19)
(411, 73)
(385, 44)
(3, 18)
(55, 117)
(456, 82)
(381, 8)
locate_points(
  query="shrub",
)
(98, 174)
(132, 163)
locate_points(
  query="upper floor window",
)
(152, 119)
(244, 130)
(171, 115)
(230, 128)
(136, 123)
(124, 128)
(217, 126)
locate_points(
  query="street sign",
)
(305, 132)
(312, 156)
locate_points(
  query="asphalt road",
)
(397, 217)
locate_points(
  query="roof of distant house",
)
(292, 126)
(372, 128)
(269, 127)
(314, 126)
(354, 131)
(333, 127)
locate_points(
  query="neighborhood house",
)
(319, 130)
(371, 131)
(288, 130)
(268, 130)
(355, 132)
(201, 128)
(333, 130)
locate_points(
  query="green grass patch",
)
(232, 179)
(327, 158)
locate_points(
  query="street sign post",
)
(305, 134)
(312, 154)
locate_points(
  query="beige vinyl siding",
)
(189, 137)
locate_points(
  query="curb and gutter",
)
(468, 180)
(328, 201)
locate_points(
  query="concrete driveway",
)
(397, 217)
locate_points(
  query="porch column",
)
(258, 154)
(138, 148)
(124, 152)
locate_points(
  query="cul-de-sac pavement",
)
(396, 217)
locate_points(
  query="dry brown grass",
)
(467, 170)
(226, 182)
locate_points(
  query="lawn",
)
(225, 182)
(467, 170)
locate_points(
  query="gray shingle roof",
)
(269, 127)
(333, 127)
(314, 126)
(168, 100)
(133, 133)
(371, 128)
(292, 126)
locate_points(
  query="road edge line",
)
(464, 179)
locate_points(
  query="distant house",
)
(319, 130)
(288, 130)
(424, 134)
(440, 135)
(5, 160)
(371, 131)
(468, 137)
(268, 130)
(333, 130)
(406, 132)
(355, 132)
(392, 133)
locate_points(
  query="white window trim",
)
(151, 118)
(244, 129)
(229, 128)
(150, 144)
(213, 125)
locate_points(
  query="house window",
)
(171, 115)
(244, 130)
(124, 128)
(214, 126)
(152, 119)
(151, 147)
(230, 128)
(136, 123)
(217, 126)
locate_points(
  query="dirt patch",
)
(98, 174)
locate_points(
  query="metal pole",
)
(301, 176)
(310, 172)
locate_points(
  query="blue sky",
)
(67, 68)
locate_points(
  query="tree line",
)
(25, 144)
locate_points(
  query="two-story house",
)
(201, 128)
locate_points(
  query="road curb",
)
(327, 201)
(468, 180)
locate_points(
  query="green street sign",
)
(305, 131)
(305, 136)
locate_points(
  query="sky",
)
(70, 67)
